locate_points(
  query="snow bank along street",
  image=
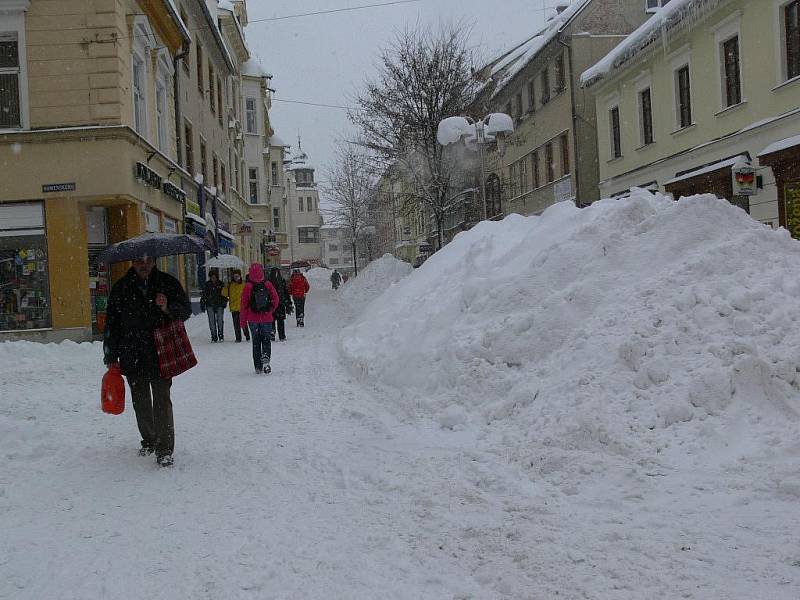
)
(594, 403)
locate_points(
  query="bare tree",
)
(350, 193)
(425, 75)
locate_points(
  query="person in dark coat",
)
(213, 301)
(285, 305)
(142, 301)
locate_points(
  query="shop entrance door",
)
(97, 223)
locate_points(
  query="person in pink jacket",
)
(259, 301)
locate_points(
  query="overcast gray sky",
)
(325, 58)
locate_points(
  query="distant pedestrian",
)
(298, 288)
(285, 306)
(259, 301)
(213, 301)
(233, 291)
(336, 279)
(345, 277)
(142, 301)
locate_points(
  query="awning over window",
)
(783, 144)
(722, 164)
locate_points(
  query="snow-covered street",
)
(497, 470)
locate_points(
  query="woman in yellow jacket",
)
(233, 291)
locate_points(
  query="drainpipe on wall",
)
(578, 203)
(178, 117)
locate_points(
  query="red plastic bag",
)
(112, 393)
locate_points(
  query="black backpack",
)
(260, 300)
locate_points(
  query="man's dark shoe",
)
(145, 451)
(165, 461)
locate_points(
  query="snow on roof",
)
(664, 20)
(196, 218)
(530, 49)
(729, 162)
(253, 68)
(225, 5)
(301, 162)
(176, 15)
(276, 140)
(783, 144)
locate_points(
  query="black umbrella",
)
(153, 245)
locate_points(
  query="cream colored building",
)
(88, 153)
(274, 160)
(696, 89)
(552, 153)
(303, 211)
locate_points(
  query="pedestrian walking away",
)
(233, 291)
(336, 279)
(212, 302)
(285, 306)
(298, 288)
(259, 301)
(141, 302)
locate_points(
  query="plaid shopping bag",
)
(175, 354)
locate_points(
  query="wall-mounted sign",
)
(58, 187)
(562, 190)
(147, 176)
(245, 229)
(425, 248)
(744, 180)
(174, 192)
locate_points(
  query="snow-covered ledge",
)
(13, 6)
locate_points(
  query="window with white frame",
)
(308, 235)
(614, 132)
(276, 219)
(731, 72)
(683, 97)
(300, 204)
(252, 175)
(143, 42)
(523, 176)
(790, 34)
(250, 116)
(645, 117)
(309, 204)
(161, 115)
(11, 81)
(139, 76)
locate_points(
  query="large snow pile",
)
(597, 327)
(319, 277)
(377, 277)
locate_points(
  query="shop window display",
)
(24, 285)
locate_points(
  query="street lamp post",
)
(493, 127)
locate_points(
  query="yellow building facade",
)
(700, 88)
(87, 154)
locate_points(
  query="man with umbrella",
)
(142, 301)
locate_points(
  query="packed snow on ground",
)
(597, 403)
(638, 360)
(375, 279)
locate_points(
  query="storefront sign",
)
(147, 176)
(791, 197)
(425, 248)
(174, 192)
(58, 187)
(744, 181)
(245, 229)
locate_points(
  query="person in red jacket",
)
(259, 302)
(298, 288)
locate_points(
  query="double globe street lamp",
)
(475, 135)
